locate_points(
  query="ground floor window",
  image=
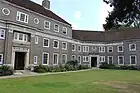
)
(55, 58)
(110, 59)
(120, 60)
(45, 58)
(64, 58)
(79, 58)
(35, 59)
(85, 58)
(133, 59)
(73, 57)
(1, 58)
(102, 58)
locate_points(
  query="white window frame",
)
(37, 21)
(23, 38)
(85, 48)
(48, 42)
(2, 30)
(101, 49)
(57, 45)
(80, 48)
(102, 58)
(78, 59)
(130, 47)
(1, 62)
(4, 12)
(63, 30)
(84, 59)
(74, 47)
(74, 57)
(119, 50)
(108, 48)
(36, 39)
(135, 60)
(43, 58)
(35, 60)
(19, 15)
(108, 59)
(62, 58)
(63, 47)
(57, 58)
(45, 25)
(119, 60)
(55, 28)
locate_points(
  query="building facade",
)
(31, 34)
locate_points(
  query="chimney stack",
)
(46, 4)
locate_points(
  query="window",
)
(79, 48)
(64, 58)
(36, 39)
(133, 59)
(45, 58)
(120, 48)
(22, 17)
(64, 45)
(56, 44)
(36, 20)
(56, 28)
(121, 60)
(5, 11)
(132, 47)
(110, 59)
(35, 59)
(73, 57)
(21, 37)
(73, 47)
(85, 48)
(101, 49)
(46, 42)
(46, 24)
(85, 58)
(110, 49)
(79, 59)
(2, 33)
(64, 30)
(1, 58)
(102, 58)
(55, 59)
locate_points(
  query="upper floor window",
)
(46, 24)
(110, 59)
(79, 48)
(46, 42)
(110, 49)
(55, 44)
(85, 48)
(1, 58)
(133, 60)
(132, 47)
(102, 58)
(2, 33)
(56, 28)
(45, 58)
(73, 47)
(36, 20)
(64, 30)
(21, 37)
(5, 11)
(22, 17)
(120, 48)
(101, 49)
(64, 58)
(85, 58)
(64, 45)
(120, 60)
(36, 39)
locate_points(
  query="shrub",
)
(107, 66)
(73, 63)
(41, 69)
(6, 70)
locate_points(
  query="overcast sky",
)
(82, 14)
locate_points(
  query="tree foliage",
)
(125, 13)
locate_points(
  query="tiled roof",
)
(123, 34)
(38, 8)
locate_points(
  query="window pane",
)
(63, 59)
(0, 58)
(110, 60)
(46, 42)
(22, 17)
(55, 58)
(45, 58)
(56, 44)
(20, 36)
(133, 60)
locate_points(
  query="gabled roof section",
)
(38, 8)
(117, 35)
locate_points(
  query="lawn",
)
(94, 81)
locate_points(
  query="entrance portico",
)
(94, 60)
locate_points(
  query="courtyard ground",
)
(92, 81)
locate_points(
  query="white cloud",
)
(77, 15)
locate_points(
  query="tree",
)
(125, 13)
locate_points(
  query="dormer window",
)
(56, 28)
(132, 47)
(22, 17)
(46, 24)
(64, 30)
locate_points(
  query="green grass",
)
(94, 81)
